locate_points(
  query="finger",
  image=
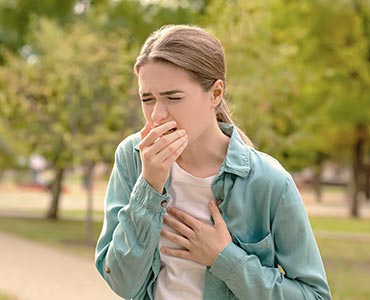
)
(179, 227)
(176, 238)
(177, 252)
(215, 212)
(155, 133)
(145, 130)
(173, 150)
(165, 141)
(184, 217)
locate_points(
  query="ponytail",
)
(223, 115)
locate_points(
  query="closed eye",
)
(174, 98)
(147, 99)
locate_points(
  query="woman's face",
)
(169, 94)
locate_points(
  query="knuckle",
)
(177, 226)
(145, 155)
(192, 249)
(192, 235)
(155, 133)
(197, 231)
(176, 239)
(171, 147)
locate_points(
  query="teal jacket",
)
(273, 254)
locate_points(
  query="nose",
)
(159, 113)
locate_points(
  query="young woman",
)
(192, 210)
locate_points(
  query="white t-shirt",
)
(179, 278)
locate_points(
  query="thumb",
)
(215, 212)
(145, 130)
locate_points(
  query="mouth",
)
(170, 131)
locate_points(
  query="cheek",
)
(147, 112)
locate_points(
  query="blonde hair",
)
(194, 50)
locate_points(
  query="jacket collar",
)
(237, 160)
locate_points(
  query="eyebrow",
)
(166, 93)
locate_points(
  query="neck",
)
(204, 156)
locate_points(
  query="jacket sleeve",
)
(131, 229)
(295, 250)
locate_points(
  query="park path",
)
(32, 271)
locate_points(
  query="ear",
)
(217, 92)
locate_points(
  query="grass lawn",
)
(346, 257)
(348, 225)
(347, 265)
(69, 235)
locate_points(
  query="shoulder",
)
(267, 168)
(270, 176)
(270, 181)
(127, 154)
(127, 146)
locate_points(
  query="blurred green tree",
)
(68, 96)
(16, 15)
(9, 150)
(140, 18)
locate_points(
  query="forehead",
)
(157, 77)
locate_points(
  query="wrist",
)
(158, 187)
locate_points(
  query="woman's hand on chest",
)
(199, 241)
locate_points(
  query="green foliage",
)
(140, 20)
(8, 149)
(69, 97)
(15, 17)
(298, 73)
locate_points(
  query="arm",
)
(130, 234)
(133, 211)
(295, 250)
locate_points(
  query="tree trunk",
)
(88, 181)
(317, 176)
(367, 183)
(357, 167)
(55, 189)
(360, 10)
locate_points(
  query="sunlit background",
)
(298, 83)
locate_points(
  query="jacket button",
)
(107, 270)
(164, 203)
(282, 271)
